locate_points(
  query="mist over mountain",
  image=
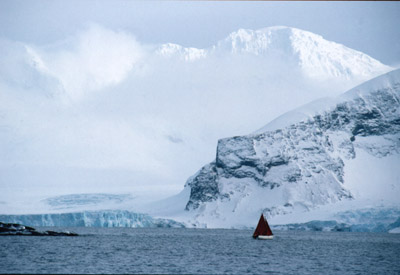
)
(101, 112)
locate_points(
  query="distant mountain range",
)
(310, 53)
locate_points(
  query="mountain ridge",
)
(316, 57)
(386, 81)
(303, 166)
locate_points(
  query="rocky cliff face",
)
(301, 164)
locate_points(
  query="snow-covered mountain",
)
(301, 50)
(110, 121)
(343, 152)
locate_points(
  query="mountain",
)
(100, 113)
(343, 151)
(310, 53)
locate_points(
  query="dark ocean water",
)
(201, 251)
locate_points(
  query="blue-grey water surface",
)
(201, 251)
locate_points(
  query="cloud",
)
(93, 59)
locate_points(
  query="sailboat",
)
(263, 231)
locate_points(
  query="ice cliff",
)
(110, 218)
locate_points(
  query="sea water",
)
(201, 251)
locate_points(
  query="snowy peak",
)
(301, 50)
(315, 56)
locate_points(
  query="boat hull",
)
(265, 237)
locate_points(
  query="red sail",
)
(262, 228)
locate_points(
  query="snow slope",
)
(344, 153)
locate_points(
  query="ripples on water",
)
(205, 251)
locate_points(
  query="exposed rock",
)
(19, 229)
(304, 160)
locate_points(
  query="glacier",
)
(395, 230)
(88, 209)
(346, 153)
(360, 220)
(73, 201)
(104, 218)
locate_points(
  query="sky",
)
(369, 27)
(88, 106)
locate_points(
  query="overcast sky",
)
(370, 27)
(88, 106)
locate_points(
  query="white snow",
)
(307, 52)
(187, 54)
(372, 176)
(317, 57)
